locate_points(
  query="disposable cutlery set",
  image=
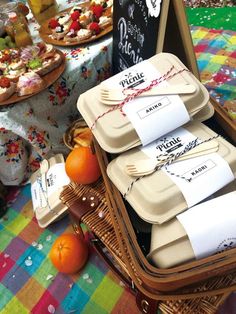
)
(112, 96)
(147, 166)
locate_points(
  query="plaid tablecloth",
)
(216, 57)
(29, 283)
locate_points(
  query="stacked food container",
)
(175, 172)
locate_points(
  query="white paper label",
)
(151, 116)
(37, 193)
(56, 178)
(46, 185)
(210, 226)
(171, 143)
(207, 173)
(137, 76)
(154, 116)
(198, 177)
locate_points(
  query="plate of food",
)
(27, 71)
(79, 24)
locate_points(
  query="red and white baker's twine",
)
(168, 75)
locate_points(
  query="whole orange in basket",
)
(82, 165)
(69, 253)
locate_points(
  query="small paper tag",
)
(199, 177)
(210, 226)
(36, 193)
(172, 143)
(137, 76)
(155, 116)
(56, 178)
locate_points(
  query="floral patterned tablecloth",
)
(33, 128)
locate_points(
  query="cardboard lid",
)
(114, 132)
(52, 208)
(170, 245)
(156, 198)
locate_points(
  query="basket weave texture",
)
(102, 226)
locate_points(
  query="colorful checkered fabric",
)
(29, 283)
(216, 57)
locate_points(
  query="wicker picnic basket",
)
(195, 287)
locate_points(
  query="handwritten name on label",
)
(153, 107)
(199, 169)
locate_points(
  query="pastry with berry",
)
(60, 26)
(7, 88)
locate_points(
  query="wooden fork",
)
(113, 96)
(148, 166)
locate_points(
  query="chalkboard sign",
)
(142, 28)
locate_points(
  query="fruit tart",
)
(7, 88)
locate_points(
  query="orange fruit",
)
(69, 253)
(82, 166)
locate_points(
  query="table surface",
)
(33, 128)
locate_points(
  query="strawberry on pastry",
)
(95, 28)
(75, 26)
(7, 88)
(75, 15)
(53, 23)
(29, 83)
(97, 10)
